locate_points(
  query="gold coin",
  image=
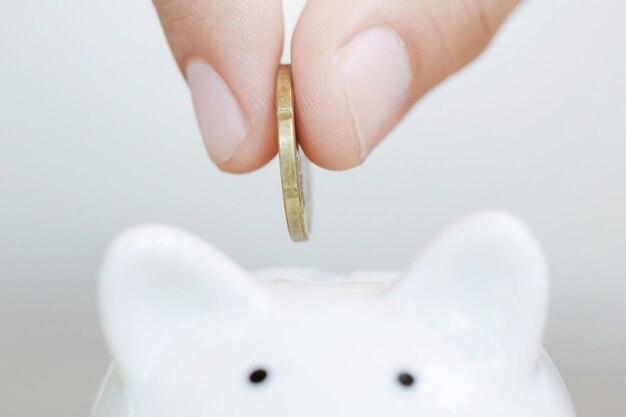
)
(293, 164)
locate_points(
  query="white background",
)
(97, 133)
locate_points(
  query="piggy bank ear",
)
(486, 273)
(155, 279)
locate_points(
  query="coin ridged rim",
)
(288, 155)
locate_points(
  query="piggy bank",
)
(457, 335)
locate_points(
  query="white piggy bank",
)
(458, 335)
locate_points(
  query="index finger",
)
(229, 52)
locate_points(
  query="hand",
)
(358, 67)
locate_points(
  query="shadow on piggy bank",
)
(459, 334)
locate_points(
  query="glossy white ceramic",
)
(458, 335)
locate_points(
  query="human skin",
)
(358, 67)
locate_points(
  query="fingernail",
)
(378, 78)
(222, 124)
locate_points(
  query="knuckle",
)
(465, 29)
(174, 13)
(481, 18)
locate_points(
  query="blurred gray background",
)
(97, 134)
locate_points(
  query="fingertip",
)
(253, 153)
(236, 140)
(229, 53)
(326, 131)
(328, 154)
(352, 87)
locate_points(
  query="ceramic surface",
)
(458, 335)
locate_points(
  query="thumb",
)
(359, 66)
